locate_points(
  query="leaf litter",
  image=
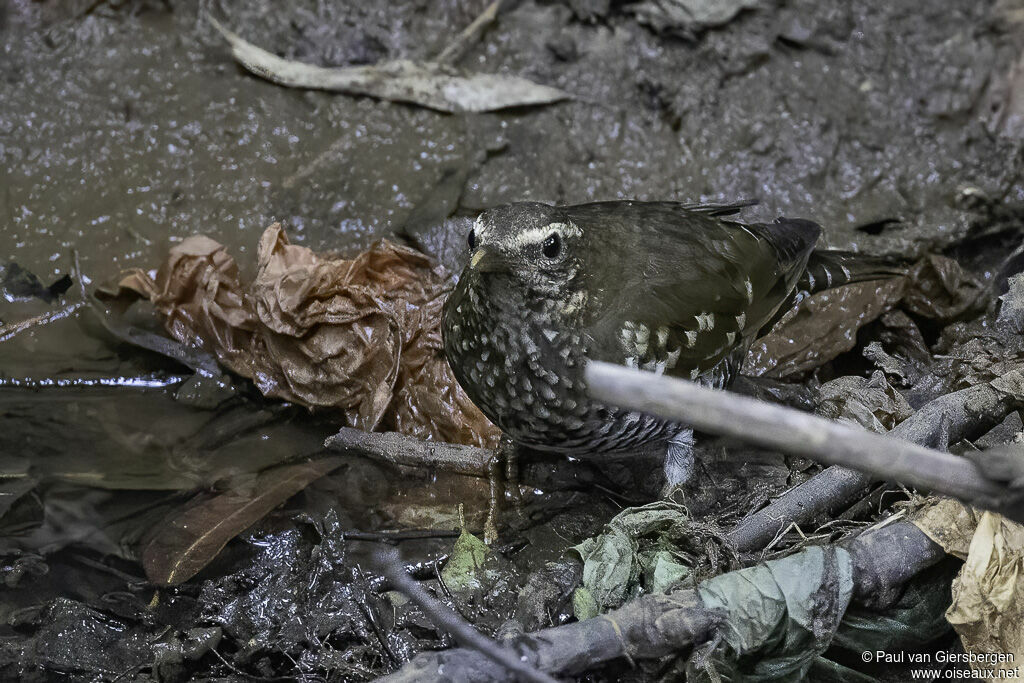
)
(360, 336)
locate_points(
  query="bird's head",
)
(528, 245)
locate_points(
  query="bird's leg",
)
(679, 461)
(506, 454)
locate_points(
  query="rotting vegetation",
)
(162, 519)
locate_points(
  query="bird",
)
(669, 287)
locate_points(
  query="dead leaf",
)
(988, 594)
(949, 523)
(940, 289)
(872, 403)
(689, 15)
(182, 546)
(361, 335)
(822, 327)
(428, 84)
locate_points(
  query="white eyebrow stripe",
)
(531, 235)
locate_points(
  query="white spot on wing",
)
(750, 289)
(705, 321)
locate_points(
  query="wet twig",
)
(874, 456)
(449, 620)
(399, 449)
(10, 331)
(469, 35)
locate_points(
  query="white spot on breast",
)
(550, 334)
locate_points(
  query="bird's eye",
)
(552, 245)
(472, 239)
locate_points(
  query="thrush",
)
(667, 287)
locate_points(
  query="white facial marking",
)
(535, 235)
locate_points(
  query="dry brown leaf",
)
(988, 594)
(949, 523)
(182, 546)
(361, 335)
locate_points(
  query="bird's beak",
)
(483, 261)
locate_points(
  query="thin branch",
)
(791, 431)
(399, 449)
(469, 35)
(963, 414)
(446, 618)
(14, 329)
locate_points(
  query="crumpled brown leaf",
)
(361, 334)
(988, 595)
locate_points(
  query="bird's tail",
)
(828, 268)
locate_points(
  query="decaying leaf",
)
(1011, 310)
(781, 615)
(689, 15)
(940, 289)
(872, 403)
(825, 324)
(988, 595)
(949, 523)
(182, 546)
(428, 84)
(462, 571)
(653, 549)
(361, 335)
(821, 328)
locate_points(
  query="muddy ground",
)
(126, 127)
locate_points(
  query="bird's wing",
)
(690, 287)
